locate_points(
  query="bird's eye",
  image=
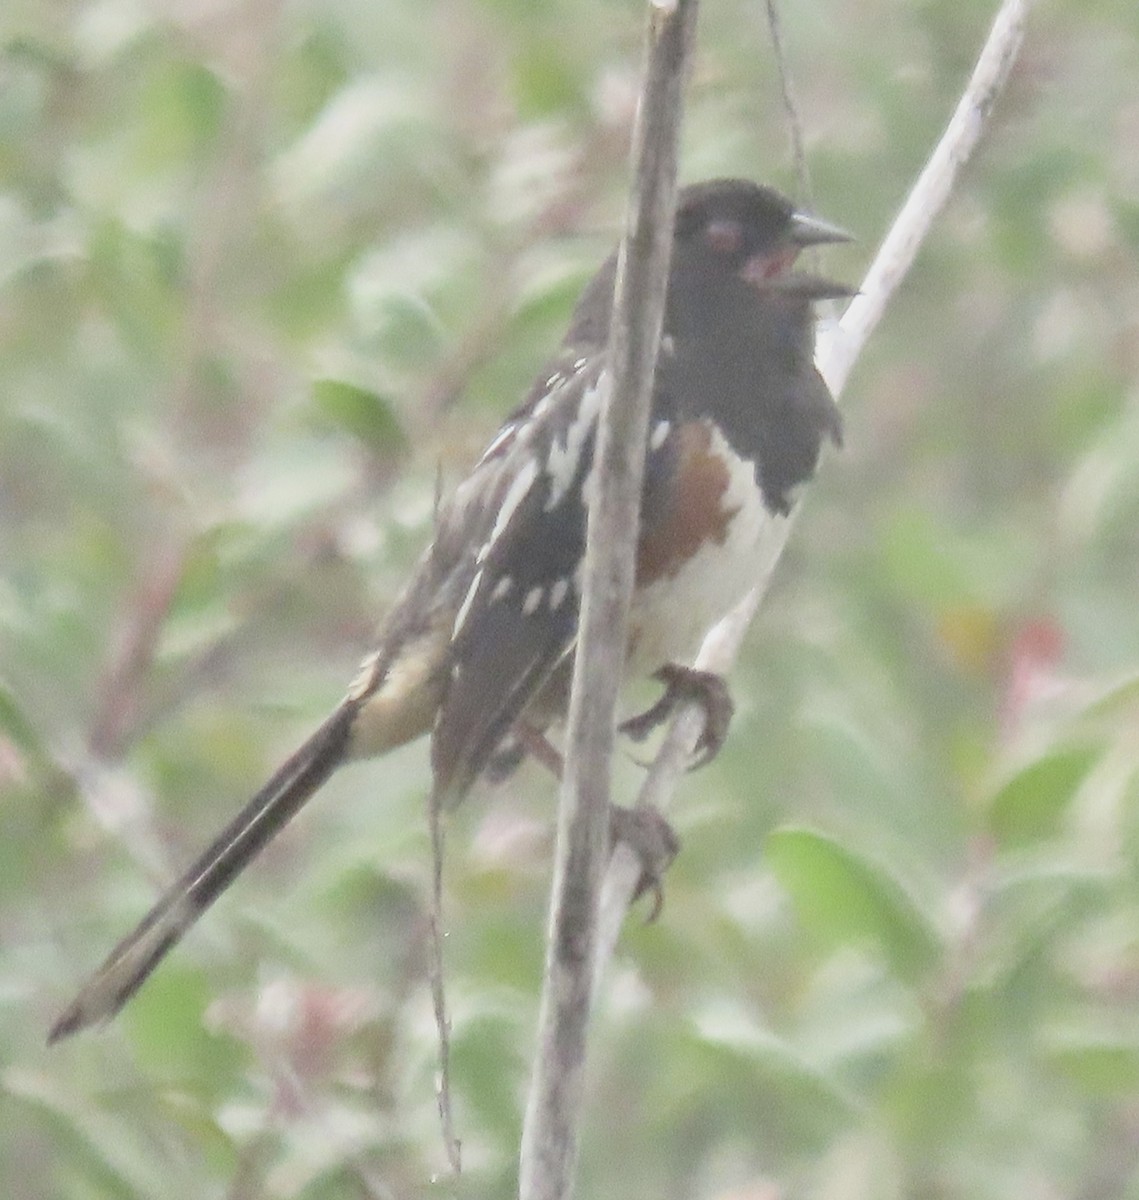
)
(724, 236)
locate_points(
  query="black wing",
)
(518, 619)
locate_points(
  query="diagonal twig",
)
(838, 350)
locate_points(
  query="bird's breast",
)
(713, 541)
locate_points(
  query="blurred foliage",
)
(265, 270)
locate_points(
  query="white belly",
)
(671, 615)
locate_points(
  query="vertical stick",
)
(553, 1111)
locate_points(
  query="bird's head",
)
(735, 228)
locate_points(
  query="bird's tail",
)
(132, 960)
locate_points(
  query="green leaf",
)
(102, 1142)
(363, 413)
(184, 107)
(1100, 1061)
(772, 1085)
(923, 563)
(488, 1060)
(1117, 699)
(373, 130)
(15, 723)
(1034, 899)
(1029, 806)
(847, 897)
(166, 1023)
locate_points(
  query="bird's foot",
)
(535, 743)
(687, 685)
(506, 759)
(524, 741)
(652, 839)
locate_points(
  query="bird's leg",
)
(652, 839)
(535, 743)
(642, 828)
(684, 685)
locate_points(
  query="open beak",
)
(772, 272)
(807, 287)
(814, 231)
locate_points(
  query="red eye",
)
(724, 236)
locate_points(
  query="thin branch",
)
(790, 107)
(553, 1111)
(836, 354)
(451, 1142)
(124, 676)
(121, 716)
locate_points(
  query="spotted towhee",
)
(477, 650)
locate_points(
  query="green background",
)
(265, 270)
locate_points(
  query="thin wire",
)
(790, 106)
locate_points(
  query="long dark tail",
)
(132, 960)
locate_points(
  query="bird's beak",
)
(771, 272)
(808, 287)
(814, 231)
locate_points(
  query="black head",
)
(733, 227)
(728, 232)
(741, 332)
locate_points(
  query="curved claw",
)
(655, 843)
(688, 685)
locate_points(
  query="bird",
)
(477, 650)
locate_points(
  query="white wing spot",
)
(532, 601)
(579, 363)
(660, 435)
(668, 345)
(562, 463)
(469, 599)
(515, 494)
(500, 439)
(558, 593)
(365, 678)
(501, 589)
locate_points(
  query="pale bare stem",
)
(553, 1111)
(837, 352)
